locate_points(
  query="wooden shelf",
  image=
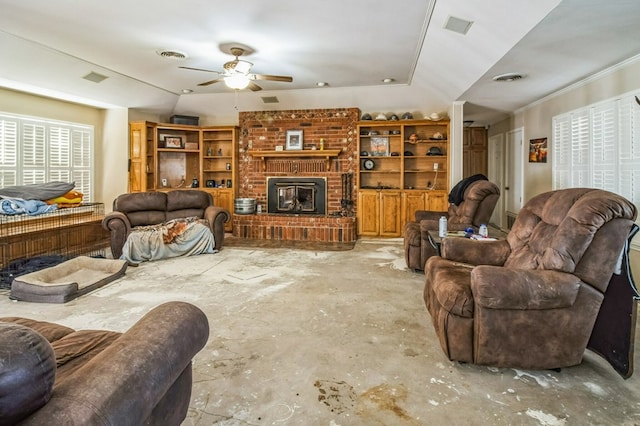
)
(327, 154)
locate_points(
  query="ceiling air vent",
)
(95, 77)
(511, 76)
(171, 54)
(270, 99)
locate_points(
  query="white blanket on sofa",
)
(152, 242)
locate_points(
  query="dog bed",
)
(68, 280)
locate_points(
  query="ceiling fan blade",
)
(199, 69)
(253, 87)
(206, 83)
(283, 78)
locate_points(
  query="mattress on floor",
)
(68, 280)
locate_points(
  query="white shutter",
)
(8, 152)
(629, 149)
(604, 148)
(580, 150)
(561, 157)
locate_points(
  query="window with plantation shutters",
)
(34, 150)
(599, 147)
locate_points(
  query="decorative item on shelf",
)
(279, 148)
(210, 151)
(395, 154)
(228, 166)
(366, 116)
(435, 116)
(210, 183)
(380, 146)
(321, 144)
(437, 136)
(294, 140)
(395, 132)
(381, 117)
(195, 183)
(413, 138)
(364, 154)
(369, 164)
(219, 152)
(408, 154)
(191, 145)
(407, 116)
(393, 117)
(228, 183)
(434, 150)
(173, 142)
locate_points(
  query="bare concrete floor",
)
(312, 337)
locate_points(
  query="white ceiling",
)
(48, 46)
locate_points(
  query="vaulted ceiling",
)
(48, 47)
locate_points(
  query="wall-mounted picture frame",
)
(538, 150)
(294, 140)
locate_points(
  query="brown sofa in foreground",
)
(142, 376)
(531, 301)
(152, 208)
(479, 201)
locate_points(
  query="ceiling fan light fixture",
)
(237, 82)
(322, 84)
(388, 80)
(242, 67)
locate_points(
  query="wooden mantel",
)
(327, 154)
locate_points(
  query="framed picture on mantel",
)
(294, 140)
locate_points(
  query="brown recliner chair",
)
(152, 208)
(477, 205)
(531, 301)
(54, 375)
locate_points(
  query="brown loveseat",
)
(152, 208)
(531, 301)
(474, 209)
(53, 375)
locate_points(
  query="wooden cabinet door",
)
(390, 211)
(368, 213)
(137, 156)
(437, 201)
(224, 198)
(412, 202)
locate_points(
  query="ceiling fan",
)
(236, 73)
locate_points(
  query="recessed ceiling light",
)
(171, 54)
(322, 84)
(388, 80)
(510, 76)
(187, 91)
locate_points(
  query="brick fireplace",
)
(264, 131)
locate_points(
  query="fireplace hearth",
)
(297, 195)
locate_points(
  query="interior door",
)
(514, 168)
(496, 175)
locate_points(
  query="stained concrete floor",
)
(314, 337)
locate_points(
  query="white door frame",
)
(496, 157)
(514, 172)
